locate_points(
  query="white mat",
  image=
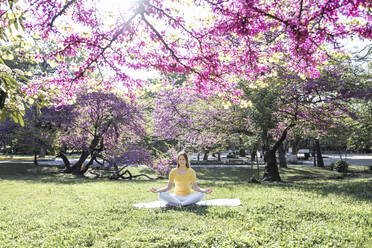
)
(214, 202)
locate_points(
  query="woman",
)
(184, 178)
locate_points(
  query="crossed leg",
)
(181, 200)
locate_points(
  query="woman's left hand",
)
(208, 191)
(153, 190)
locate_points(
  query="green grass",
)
(311, 208)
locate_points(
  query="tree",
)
(7, 133)
(196, 120)
(101, 125)
(361, 128)
(229, 38)
(34, 137)
(287, 100)
(13, 101)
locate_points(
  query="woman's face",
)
(182, 161)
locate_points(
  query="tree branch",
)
(283, 136)
(61, 12)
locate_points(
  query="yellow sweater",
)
(183, 182)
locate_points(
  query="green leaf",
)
(23, 112)
(20, 118)
(23, 78)
(4, 82)
(10, 80)
(15, 23)
(3, 36)
(2, 61)
(21, 22)
(2, 115)
(3, 96)
(9, 28)
(15, 119)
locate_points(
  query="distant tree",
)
(361, 128)
(308, 104)
(7, 135)
(32, 138)
(195, 120)
(35, 137)
(101, 125)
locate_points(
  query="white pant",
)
(181, 200)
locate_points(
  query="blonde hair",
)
(184, 154)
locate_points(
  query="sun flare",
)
(116, 7)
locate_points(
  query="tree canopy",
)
(228, 38)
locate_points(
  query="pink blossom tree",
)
(101, 125)
(280, 104)
(194, 119)
(230, 39)
(240, 37)
(311, 104)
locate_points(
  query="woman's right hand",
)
(153, 190)
(208, 191)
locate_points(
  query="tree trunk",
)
(271, 169)
(198, 156)
(314, 154)
(282, 159)
(319, 154)
(219, 156)
(295, 143)
(86, 167)
(205, 158)
(241, 150)
(253, 154)
(77, 167)
(35, 159)
(116, 172)
(65, 161)
(42, 152)
(258, 166)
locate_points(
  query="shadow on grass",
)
(321, 181)
(292, 174)
(357, 190)
(30, 172)
(52, 174)
(236, 175)
(199, 210)
(325, 182)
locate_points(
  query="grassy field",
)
(311, 208)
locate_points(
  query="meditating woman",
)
(184, 178)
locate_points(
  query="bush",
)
(370, 168)
(341, 166)
(332, 165)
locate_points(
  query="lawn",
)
(311, 208)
